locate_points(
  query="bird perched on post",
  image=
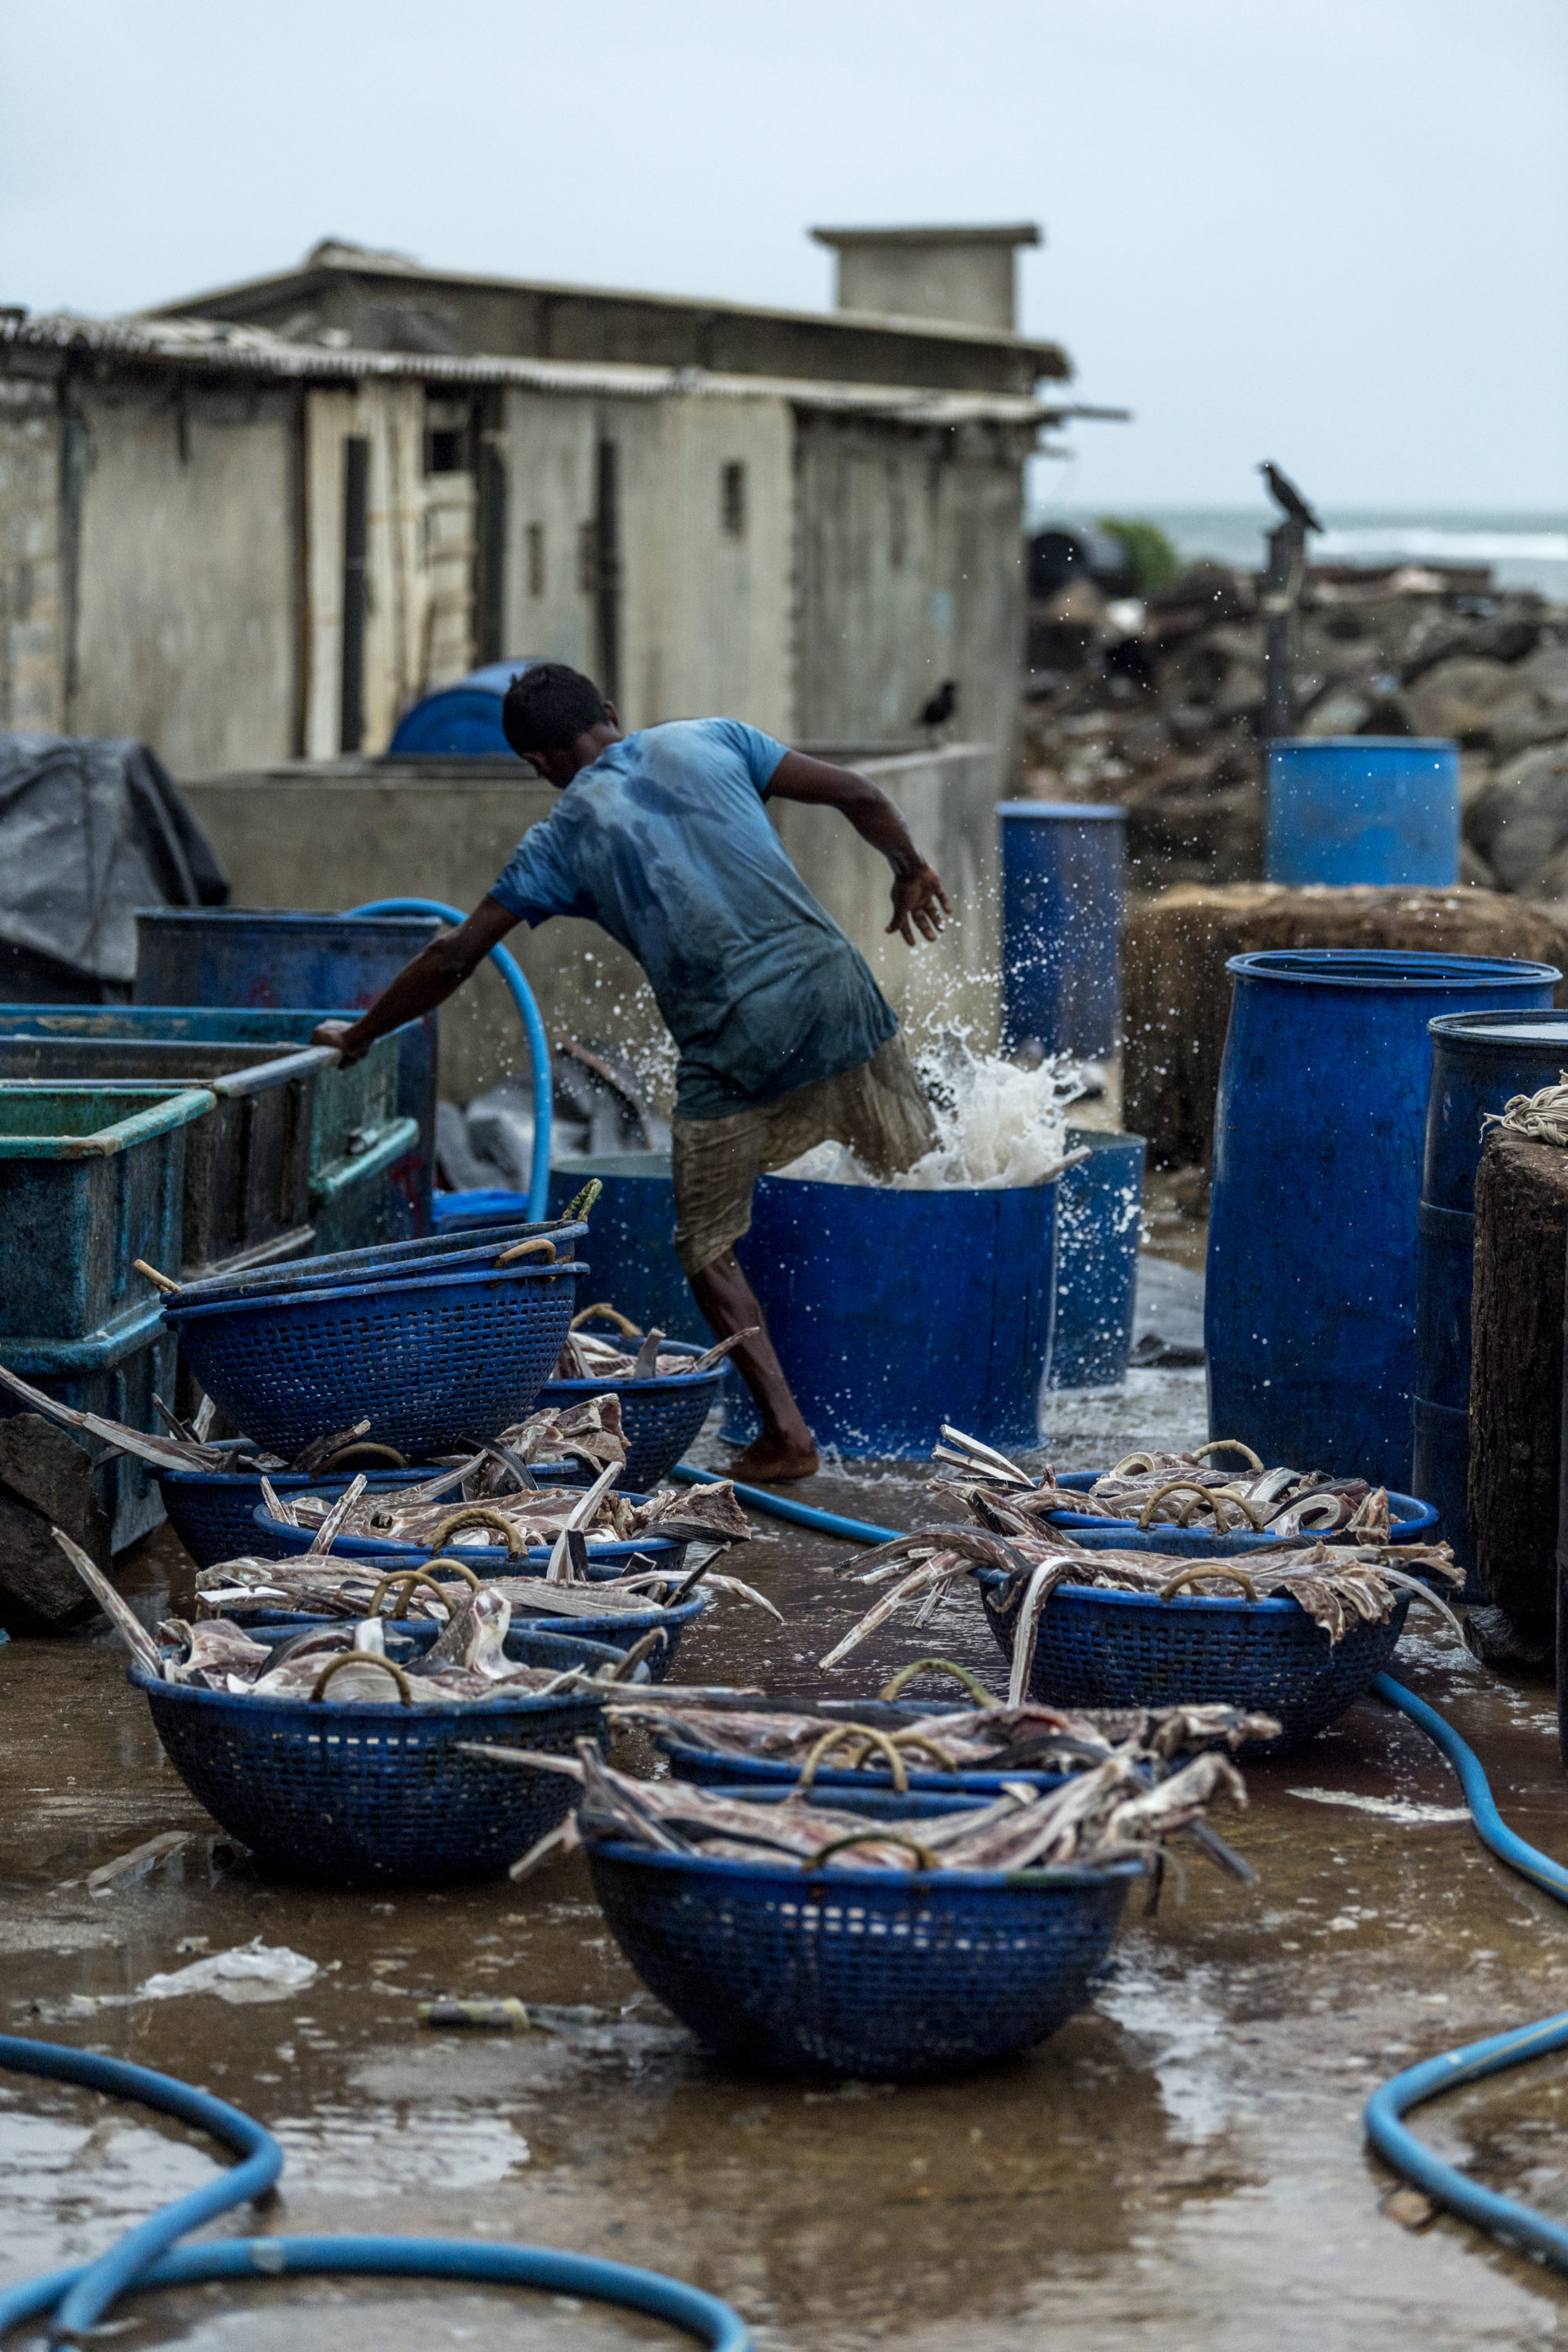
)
(941, 706)
(1286, 495)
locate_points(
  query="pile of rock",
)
(1158, 704)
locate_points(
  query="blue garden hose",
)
(510, 971)
(79, 2294)
(1501, 2215)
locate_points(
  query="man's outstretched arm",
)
(433, 974)
(919, 901)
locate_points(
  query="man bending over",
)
(786, 1040)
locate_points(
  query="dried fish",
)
(1108, 1813)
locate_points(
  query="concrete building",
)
(257, 525)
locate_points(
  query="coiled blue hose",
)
(1516, 2224)
(79, 2294)
(510, 971)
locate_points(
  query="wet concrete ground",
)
(1182, 2165)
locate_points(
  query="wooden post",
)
(1516, 1378)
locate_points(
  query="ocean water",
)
(1525, 551)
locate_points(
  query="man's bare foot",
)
(774, 1461)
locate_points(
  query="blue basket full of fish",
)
(1295, 1628)
(432, 1353)
(1188, 1503)
(630, 1615)
(334, 1760)
(902, 1746)
(889, 1938)
(665, 1388)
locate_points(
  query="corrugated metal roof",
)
(254, 350)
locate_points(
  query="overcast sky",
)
(1331, 232)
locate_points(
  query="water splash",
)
(998, 1125)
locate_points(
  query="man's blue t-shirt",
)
(664, 842)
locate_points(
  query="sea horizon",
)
(1526, 548)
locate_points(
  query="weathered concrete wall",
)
(910, 564)
(184, 582)
(705, 611)
(32, 636)
(337, 833)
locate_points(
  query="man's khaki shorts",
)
(878, 1108)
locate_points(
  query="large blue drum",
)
(1363, 808)
(1479, 1061)
(893, 1311)
(1061, 927)
(1310, 1315)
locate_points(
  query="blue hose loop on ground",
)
(1505, 2219)
(703, 2316)
(91, 2288)
(83, 2292)
(510, 971)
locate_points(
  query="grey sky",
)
(1328, 231)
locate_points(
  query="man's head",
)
(558, 719)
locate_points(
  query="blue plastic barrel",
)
(273, 957)
(1479, 1061)
(460, 721)
(893, 1311)
(1309, 1323)
(1100, 1205)
(1363, 808)
(1061, 927)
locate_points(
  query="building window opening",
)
(449, 437)
(732, 498)
(534, 541)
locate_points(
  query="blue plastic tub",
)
(750, 1775)
(881, 1975)
(634, 1265)
(212, 1512)
(372, 1795)
(1344, 809)
(430, 1358)
(359, 1146)
(266, 958)
(894, 1311)
(1410, 1521)
(282, 1541)
(1100, 1205)
(1098, 1647)
(1479, 1061)
(1062, 866)
(1311, 1307)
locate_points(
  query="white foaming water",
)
(998, 1125)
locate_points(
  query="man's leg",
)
(784, 1450)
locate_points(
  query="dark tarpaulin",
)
(90, 829)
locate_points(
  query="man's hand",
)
(338, 1032)
(920, 903)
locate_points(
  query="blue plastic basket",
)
(431, 1359)
(372, 1795)
(883, 1974)
(1410, 1521)
(433, 1254)
(212, 1512)
(1102, 1648)
(620, 1633)
(660, 1418)
(281, 1541)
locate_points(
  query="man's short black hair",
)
(548, 707)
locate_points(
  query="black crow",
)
(1289, 495)
(941, 706)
